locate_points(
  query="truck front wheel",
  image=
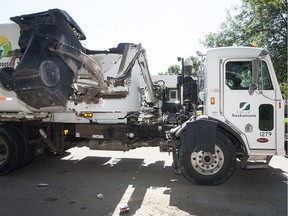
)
(205, 168)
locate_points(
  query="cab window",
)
(266, 117)
(264, 77)
(238, 74)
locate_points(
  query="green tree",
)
(196, 63)
(176, 68)
(172, 70)
(261, 21)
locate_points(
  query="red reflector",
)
(262, 140)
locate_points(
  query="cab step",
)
(256, 164)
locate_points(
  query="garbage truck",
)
(56, 94)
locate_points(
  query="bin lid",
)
(68, 18)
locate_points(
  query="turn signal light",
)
(212, 100)
(87, 115)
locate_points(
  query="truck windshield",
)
(264, 77)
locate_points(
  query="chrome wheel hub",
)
(207, 163)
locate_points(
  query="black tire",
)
(28, 151)
(11, 150)
(204, 168)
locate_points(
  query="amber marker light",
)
(87, 115)
(212, 100)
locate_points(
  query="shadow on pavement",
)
(73, 186)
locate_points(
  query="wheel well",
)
(234, 138)
(230, 133)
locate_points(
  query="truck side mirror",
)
(252, 88)
(255, 74)
(255, 70)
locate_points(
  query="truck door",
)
(251, 112)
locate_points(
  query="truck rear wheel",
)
(28, 151)
(11, 152)
(205, 168)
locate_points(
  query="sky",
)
(167, 29)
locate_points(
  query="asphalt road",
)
(142, 178)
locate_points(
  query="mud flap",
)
(200, 136)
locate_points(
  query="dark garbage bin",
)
(43, 77)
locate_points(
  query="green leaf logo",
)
(244, 106)
(5, 46)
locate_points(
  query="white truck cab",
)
(242, 91)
